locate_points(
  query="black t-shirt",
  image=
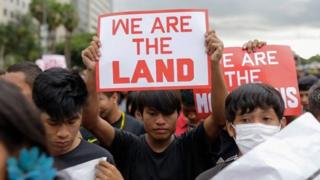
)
(83, 153)
(185, 158)
(130, 124)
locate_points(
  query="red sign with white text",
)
(271, 64)
(148, 50)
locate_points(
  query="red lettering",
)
(142, 71)
(135, 25)
(188, 63)
(157, 25)
(138, 45)
(154, 46)
(172, 22)
(116, 74)
(163, 45)
(164, 71)
(115, 26)
(184, 24)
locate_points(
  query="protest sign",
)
(153, 50)
(51, 61)
(273, 65)
(84, 171)
(293, 154)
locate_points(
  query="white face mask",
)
(250, 135)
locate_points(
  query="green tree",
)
(315, 58)
(78, 42)
(70, 22)
(19, 40)
(3, 42)
(54, 17)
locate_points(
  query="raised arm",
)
(90, 116)
(216, 121)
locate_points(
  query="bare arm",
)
(216, 121)
(90, 116)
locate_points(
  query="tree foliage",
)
(78, 42)
(19, 40)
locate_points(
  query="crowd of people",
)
(55, 119)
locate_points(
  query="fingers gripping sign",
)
(214, 46)
(105, 171)
(91, 55)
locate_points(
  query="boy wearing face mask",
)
(254, 113)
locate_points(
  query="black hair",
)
(109, 94)
(20, 122)
(166, 102)
(306, 82)
(29, 69)
(187, 98)
(314, 99)
(60, 93)
(132, 102)
(248, 97)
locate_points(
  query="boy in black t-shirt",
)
(60, 95)
(158, 154)
(109, 110)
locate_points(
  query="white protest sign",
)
(153, 50)
(51, 61)
(292, 154)
(84, 171)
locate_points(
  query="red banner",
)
(271, 64)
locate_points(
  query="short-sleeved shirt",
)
(185, 158)
(82, 153)
(131, 125)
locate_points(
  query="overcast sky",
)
(288, 22)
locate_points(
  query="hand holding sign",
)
(107, 171)
(251, 46)
(91, 54)
(214, 46)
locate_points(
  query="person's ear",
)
(115, 98)
(283, 122)
(230, 129)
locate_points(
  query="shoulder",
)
(133, 125)
(132, 120)
(125, 138)
(94, 148)
(208, 174)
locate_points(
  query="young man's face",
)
(304, 96)
(191, 114)
(62, 137)
(106, 105)
(262, 116)
(19, 79)
(160, 127)
(254, 127)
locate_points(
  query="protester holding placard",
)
(60, 96)
(158, 154)
(254, 113)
